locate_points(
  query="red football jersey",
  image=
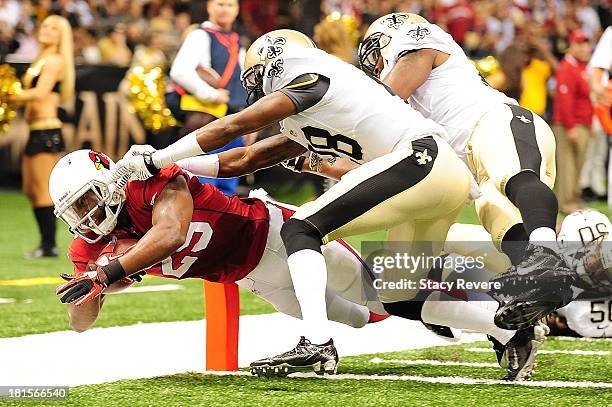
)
(226, 238)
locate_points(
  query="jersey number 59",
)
(199, 234)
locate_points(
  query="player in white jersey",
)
(588, 318)
(509, 149)
(408, 174)
(583, 317)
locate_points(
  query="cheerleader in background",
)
(48, 82)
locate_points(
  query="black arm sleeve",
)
(306, 90)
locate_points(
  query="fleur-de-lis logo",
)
(523, 119)
(418, 33)
(394, 20)
(273, 47)
(422, 157)
(276, 68)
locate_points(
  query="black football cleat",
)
(518, 314)
(500, 352)
(541, 271)
(305, 357)
(39, 253)
(521, 351)
(445, 332)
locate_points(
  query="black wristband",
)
(299, 163)
(147, 156)
(114, 272)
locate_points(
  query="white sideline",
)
(429, 362)
(434, 379)
(154, 349)
(7, 300)
(577, 352)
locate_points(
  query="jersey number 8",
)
(333, 143)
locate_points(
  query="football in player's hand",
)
(113, 251)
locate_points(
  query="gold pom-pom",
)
(9, 85)
(487, 65)
(147, 86)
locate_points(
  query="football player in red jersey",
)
(188, 229)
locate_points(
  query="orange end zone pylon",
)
(222, 304)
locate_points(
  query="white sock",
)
(186, 147)
(341, 310)
(441, 309)
(543, 234)
(309, 276)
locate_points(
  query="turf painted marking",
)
(429, 362)
(575, 339)
(545, 351)
(28, 282)
(150, 288)
(440, 379)
(7, 300)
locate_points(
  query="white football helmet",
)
(82, 197)
(585, 226)
(379, 35)
(263, 51)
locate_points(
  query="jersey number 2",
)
(200, 234)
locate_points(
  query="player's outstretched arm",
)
(172, 212)
(412, 70)
(265, 112)
(243, 160)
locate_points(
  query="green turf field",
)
(37, 310)
(193, 389)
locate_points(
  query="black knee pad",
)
(298, 235)
(405, 309)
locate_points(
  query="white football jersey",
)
(356, 118)
(454, 95)
(590, 319)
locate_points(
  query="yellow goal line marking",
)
(29, 282)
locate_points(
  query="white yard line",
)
(150, 289)
(545, 351)
(429, 362)
(7, 300)
(166, 348)
(436, 379)
(575, 339)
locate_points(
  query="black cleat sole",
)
(285, 369)
(522, 314)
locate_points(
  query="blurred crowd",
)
(109, 31)
(530, 39)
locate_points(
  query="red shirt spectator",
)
(259, 17)
(572, 95)
(460, 18)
